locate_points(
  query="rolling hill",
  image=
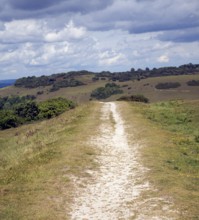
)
(82, 92)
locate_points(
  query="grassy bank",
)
(170, 136)
(38, 160)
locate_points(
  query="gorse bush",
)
(134, 98)
(8, 119)
(13, 113)
(54, 107)
(107, 91)
(167, 85)
(193, 83)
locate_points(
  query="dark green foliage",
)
(59, 80)
(40, 92)
(33, 81)
(167, 85)
(9, 101)
(8, 119)
(95, 79)
(134, 98)
(65, 83)
(29, 111)
(107, 91)
(193, 83)
(140, 74)
(17, 110)
(54, 107)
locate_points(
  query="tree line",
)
(67, 79)
(140, 74)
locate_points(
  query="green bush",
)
(19, 110)
(54, 107)
(134, 98)
(107, 91)
(8, 119)
(167, 85)
(29, 111)
(193, 83)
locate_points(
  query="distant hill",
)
(69, 79)
(157, 84)
(7, 82)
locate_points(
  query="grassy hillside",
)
(170, 136)
(146, 87)
(36, 161)
(39, 161)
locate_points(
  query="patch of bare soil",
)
(115, 190)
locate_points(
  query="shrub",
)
(29, 111)
(54, 107)
(19, 110)
(8, 119)
(107, 91)
(193, 83)
(66, 83)
(167, 85)
(134, 98)
(40, 92)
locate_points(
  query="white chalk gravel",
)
(114, 191)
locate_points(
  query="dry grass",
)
(146, 87)
(168, 154)
(38, 161)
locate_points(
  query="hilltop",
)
(157, 84)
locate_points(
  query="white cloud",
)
(100, 37)
(110, 58)
(163, 59)
(70, 31)
(22, 31)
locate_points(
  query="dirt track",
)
(115, 191)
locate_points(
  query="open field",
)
(169, 134)
(146, 87)
(38, 162)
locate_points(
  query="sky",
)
(41, 37)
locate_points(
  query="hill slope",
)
(157, 84)
(44, 164)
(82, 93)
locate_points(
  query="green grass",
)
(170, 133)
(38, 160)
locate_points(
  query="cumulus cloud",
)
(50, 36)
(70, 31)
(144, 16)
(163, 59)
(110, 57)
(134, 16)
(19, 31)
